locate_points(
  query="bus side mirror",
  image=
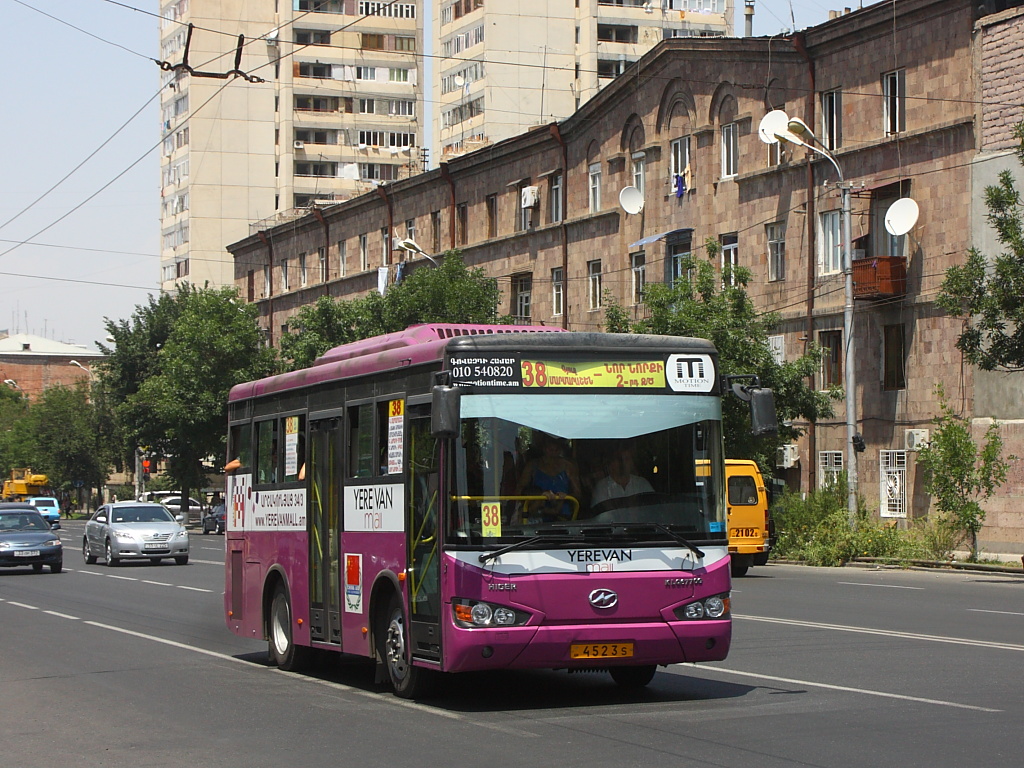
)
(763, 419)
(444, 411)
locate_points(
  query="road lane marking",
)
(886, 633)
(846, 689)
(863, 584)
(157, 583)
(194, 589)
(62, 615)
(122, 578)
(23, 605)
(1004, 613)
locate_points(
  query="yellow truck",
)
(24, 483)
(750, 534)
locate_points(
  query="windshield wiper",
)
(520, 544)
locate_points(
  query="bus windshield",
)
(592, 466)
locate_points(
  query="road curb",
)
(917, 565)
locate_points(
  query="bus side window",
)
(294, 447)
(266, 452)
(360, 440)
(240, 444)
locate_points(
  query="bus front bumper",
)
(551, 647)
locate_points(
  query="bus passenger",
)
(551, 475)
(620, 482)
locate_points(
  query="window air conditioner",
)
(530, 197)
(787, 456)
(298, 144)
(915, 439)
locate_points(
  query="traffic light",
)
(145, 468)
(858, 444)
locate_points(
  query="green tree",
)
(988, 296)
(448, 293)
(17, 446)
(959, 475)
(717, 307)
(69, 447)
(171, 395)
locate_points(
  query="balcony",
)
(881, 277)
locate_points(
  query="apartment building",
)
(912, 100)
(503, 67)
(329, 107)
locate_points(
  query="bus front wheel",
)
(281, 648)
(409, 682)
(633, 677)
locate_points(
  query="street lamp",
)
(411, 246)
(78, 364)
(777, 126)
(11, 383)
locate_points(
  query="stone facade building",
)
(910, 99)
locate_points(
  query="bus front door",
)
(422, 521)
(324, 493)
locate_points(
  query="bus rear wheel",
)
(281, 647)
(633, 677)
(409, 682)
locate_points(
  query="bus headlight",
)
(470, 614)
(714, 607)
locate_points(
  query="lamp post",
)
(411, 246)
(776, 126)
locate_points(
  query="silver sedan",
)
(134, 530)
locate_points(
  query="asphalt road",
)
(132, 666)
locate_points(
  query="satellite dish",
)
(775, 122)
(459, 80)
(631, 200)
(901, 217)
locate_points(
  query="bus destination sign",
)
(678, 373)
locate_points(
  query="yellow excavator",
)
(24, 483)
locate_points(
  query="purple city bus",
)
(469, 497)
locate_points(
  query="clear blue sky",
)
(65, 93)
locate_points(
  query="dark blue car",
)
(27, 539)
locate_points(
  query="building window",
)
(371, 42)
(594, 284)
(832, 119)
(776, 235)
(730, 258)
(405, 43)
(410, 229)
(730, 150)
(284, 275)
(830, 467)
(831, 343)
(892, 466)
(681, 168)
(525, 205)
(894, 86)
(679, 255)
(364, 255)
(266, 281)
(462, 223)
(303, 272)
(638, 269)
(522, 289)
(830, 246)
(435, 231)
(557, 292)
(777, 345)
(342, 258)
(385, 247)
(894, 374)
(492, 215)
(882, 242)
(595, 187)
(555, 192)
(640, 172)
(321, 255)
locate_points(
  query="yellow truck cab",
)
(750, 539)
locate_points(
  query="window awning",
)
(654, 238)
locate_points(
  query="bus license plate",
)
(26, 553)
(741, 533)
(600, 650)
